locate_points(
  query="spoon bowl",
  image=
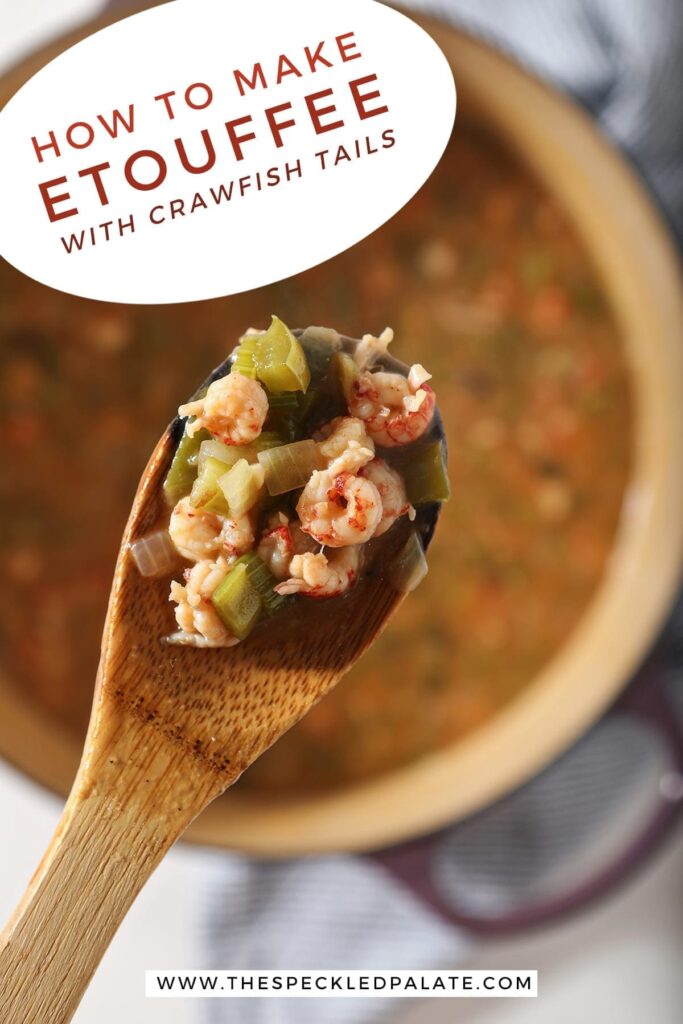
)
(171, 729)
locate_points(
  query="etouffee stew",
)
(485, 282)
(302, 449)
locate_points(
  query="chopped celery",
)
(296, 404)
(424, 472)
(205, 491)
(286, 404)
(217, 504)
(280, 360)
(243, 360)
(284, 415)
(290, 466)
(263, 580)
(344, 372)
(237, 602)
(183, 469)
(241, 487)
(228, 454)
(289, 412)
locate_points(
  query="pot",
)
(636, 260)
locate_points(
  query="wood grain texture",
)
(130, 804)
(171, 729)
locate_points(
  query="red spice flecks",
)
(364, 388)
(336, 491)
(360, 519)
(284, 533)
(412, 424)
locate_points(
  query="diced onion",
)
(205, 488)
(227, 453)
(155, 555)
(183, 639)
(241, 487)
(417, 376)
(290, 466)
(230, 453)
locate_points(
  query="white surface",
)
(156, 934)
(620, 962)
(25, 24)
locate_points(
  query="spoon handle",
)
(130, 802)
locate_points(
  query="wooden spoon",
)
(171, 728)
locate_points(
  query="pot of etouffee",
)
(552, 324)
